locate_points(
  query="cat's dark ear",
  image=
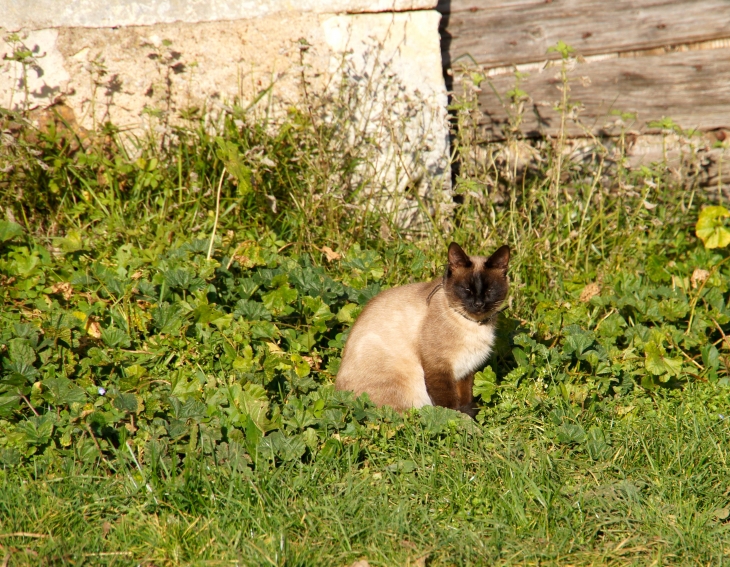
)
(457, 257)
(500, 259)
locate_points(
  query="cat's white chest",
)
(474, 349)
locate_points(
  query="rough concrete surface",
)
(392, 57)
(144, 77)
(40, 14)
(115, 74)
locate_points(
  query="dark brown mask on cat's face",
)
(476, 286)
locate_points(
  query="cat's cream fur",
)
(417, 345)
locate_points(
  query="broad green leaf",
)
(520, 357)
(72, 242)
(659, 364)
(183, 278)
(167, 318)
(244, 363)
(287, 448)
(264, 330)
(711, 229)
(485, 384)
(300, 342)
(673, 310)
(571, 433)
(710, 357)
(331, 448)
(24, 263)
(132, 376)
(250, 401)
(596, 444)
(192, 409)
(206, 313)
(9, 230)
(21, 352)
(562, 48)
(37, 430)
(301, 366)
(223, 322)
(251, 310)
(183, 388)
(228, 153)
(319, 309)
(435, 419)
(562, 414)
(309, 436)
(232, 453)
(253, 436)
(10, 457)
(576, 344)
(406, 466)
(112, 283)
(61, 391)
(318, 313)
(249, 256)
(115, 338)
(8, 404)
(656, 269)
(177, 428)
(18, 371)
(346, 314)
(279, 300)
(126, 402)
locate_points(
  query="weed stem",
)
(217, 212)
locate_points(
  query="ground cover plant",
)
(172, 319)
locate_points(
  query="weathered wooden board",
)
(495, 33)
(692, 88)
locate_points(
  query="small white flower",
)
(102, 391)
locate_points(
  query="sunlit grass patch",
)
(171, 323)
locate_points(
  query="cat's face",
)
(476, 286)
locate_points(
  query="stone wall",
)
(129, 62)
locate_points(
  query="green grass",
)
(505, 494)
(166, 378)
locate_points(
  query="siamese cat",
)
(420, 344)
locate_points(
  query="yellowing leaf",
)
(330, 254)
(93, 328)
(64, 289)
(72, 242)
(301, 366)
(710, 228)
(242, 364)
(589, 292)
(347, 313)
(698, 276)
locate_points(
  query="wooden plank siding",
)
(498, 33)
(692, 88)
(662, 58)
